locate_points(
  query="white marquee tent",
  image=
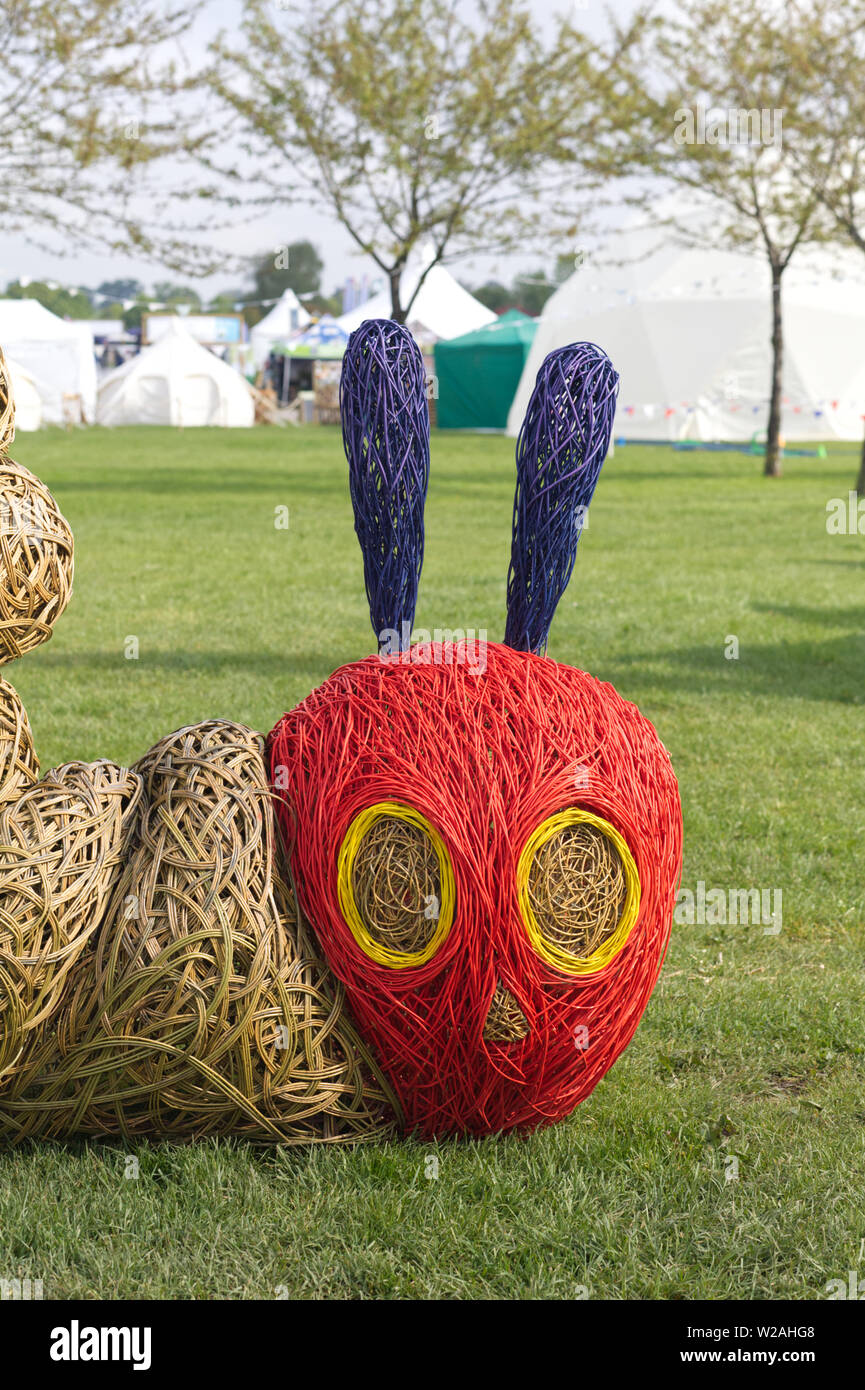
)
(286, 318)
(25, 393)
(689, 332)
(58, 355)
(442, 309)
(175, 381)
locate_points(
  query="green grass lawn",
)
(753, 1046)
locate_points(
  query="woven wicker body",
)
(7, 407)
(19, 765)
(201, 1008)
(35, 561)
(61, 847)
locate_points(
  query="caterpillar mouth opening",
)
(505, 1021)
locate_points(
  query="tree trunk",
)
(397, 312)
(772, 467)
(860, 484)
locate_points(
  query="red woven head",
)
(487, 843)
(492, 1031)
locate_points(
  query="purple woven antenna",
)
(385, 431)
(562, 443)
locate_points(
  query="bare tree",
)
(91, 98)
(830, 145)
(421, 122)
(720, 119)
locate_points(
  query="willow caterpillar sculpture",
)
(436, 898)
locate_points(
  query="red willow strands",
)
(485, 757)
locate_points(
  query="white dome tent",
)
(27, 397)
(442, 309)
(286, 318)
(57, 355)
(178, 382)
(689, 332)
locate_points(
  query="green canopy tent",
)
(478, 374)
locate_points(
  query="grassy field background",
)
(753, 1045)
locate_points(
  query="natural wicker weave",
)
(19, 766)
(35, 561)
(61, 843)
(7, 407)
(505, 1021)
(201, 1008)
(396, 884)
(577, 889)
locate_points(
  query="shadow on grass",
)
(164, 482)
(852, 618)
(165, 1159)
(833, 670)
(291, 663)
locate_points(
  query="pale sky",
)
(19, 258)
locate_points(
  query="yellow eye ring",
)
(362, 823)
(548, 950)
